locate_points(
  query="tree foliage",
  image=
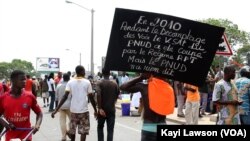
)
(16, 64)
(243, 51)
(235, 37)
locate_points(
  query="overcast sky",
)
(53, 28)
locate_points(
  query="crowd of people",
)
(230, 98)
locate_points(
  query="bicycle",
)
(10, 126)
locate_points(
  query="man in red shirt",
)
(15, 106)
(30, 86)
(1, 89)
(58, 79)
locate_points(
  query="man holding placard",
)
(158, 101)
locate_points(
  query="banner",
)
(47, 64)
(164, 45)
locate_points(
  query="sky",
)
(54, 28)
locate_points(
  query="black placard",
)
(177, 48)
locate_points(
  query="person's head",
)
(66, 77)
(105, 72)
(34, 78)
(59, 75)
(46, 77)
(51, 75)
(229, 72)
(18, 79)
(123, 73)
(69, 73)
(90, 77)
(245, 72)
(28, 76)
(80, 70)
(217, 68)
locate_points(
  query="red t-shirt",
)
(57, 80)
(1, 89)
(28, 85)
(17, 112)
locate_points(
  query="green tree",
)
(7, 68)
(235, 37)
(4, 70)
(243, 51)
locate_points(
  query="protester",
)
(36, 85)
(30, 86)
(58, 78)
(1, 89)
(79, 88)
(124, 77)
(45, 91)
(64, 110)
(192, 104)
(204, 90)
(181, 97)
(243, 86)
(107, 94)
(52, 88)
(15, 106)
(151, 115)
(225, 97)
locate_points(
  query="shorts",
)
(45, 94)
(80, 120)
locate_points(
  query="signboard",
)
(224, 47)
(163, 45)
(48, 64)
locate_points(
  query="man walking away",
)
(79, 88)
(64, 110)
(107, 94)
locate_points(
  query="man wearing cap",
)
(243, 86)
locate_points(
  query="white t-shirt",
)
(124, 79)
(135, 102)
(79, 88)
(51, 81)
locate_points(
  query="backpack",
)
(161, 96)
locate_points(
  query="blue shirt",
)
(243, 86)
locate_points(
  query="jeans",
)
(203, 101)
(245, 119)
(52, 100)
(110, 127)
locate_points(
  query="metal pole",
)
(92, 43)
(80, 58)
(92, 36)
